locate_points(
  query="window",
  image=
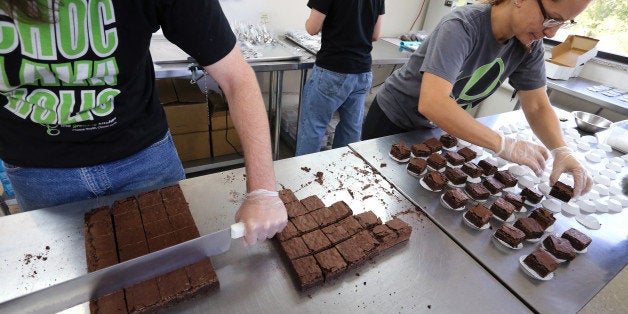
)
(606, 20)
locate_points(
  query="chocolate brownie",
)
(541, 262)
(340, 210)
(478, 215)
(435, 180)
(544, 217)
(559, 247)
(436, 161)
(454, 158)
(493, 185)
(506, 178)
(352, 252)
(510, 235)
(324, 216)
(316, 241)
(456, 176)
(433, 144)
(455, 198)
(417, 165)
(401, 151)
(295, 209)
(305, 223)
(531, 195)
(477, 191)
(514, 199)
(402, 229)
(368, 219)
(351, 225)
(561, 191)
(287, 196)
(530, 227)
(331, 263)
(420, 150)
(386, 236)
(288, 232)
(467, 153)
(312, 203)
(367, 242)
(336, 233)
(578, 240)
(308, 273)
(149, 198)
(295, 248)
(502, 208)
(471, 169)
(448, 140)
(488, 167)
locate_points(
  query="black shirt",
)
(347, 33)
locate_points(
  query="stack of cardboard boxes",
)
(187, 114)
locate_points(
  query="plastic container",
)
(6, 184)
(618, 136)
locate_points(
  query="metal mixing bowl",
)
(589, 122)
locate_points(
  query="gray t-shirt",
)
(462, 50)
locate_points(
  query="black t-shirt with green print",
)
(81, 91)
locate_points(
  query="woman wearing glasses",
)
(463, 61)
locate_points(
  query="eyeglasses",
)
(550, 22)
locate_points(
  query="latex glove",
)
(524, 153)
(263, 214)
(564, 161)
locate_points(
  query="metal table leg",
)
(279, 85)
(301, 85)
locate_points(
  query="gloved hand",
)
(524, 153)
(263, 213)
(564, 161)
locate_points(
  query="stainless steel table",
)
(574, 284)
(578, 87)
(428, 272)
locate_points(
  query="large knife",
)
(79, 290)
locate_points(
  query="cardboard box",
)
(188, 92)
(187, 118)
(192, 146)
(568, 56)
(165, 90)
(221, 147)
(219, 122)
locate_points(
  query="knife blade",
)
(79, 290)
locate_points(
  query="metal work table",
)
(428, 272)
(577, 87)
(574, 283)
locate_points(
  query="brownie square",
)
(471, 169)
(316, 241)
(417, 165)
(454, 158)
(468, 153)
(331, 262)
(455, 198)
(578, 240)
(308, 273)
(506, 178)
(456, 176)
(386, 236)
(448, 140)
(150, 198)
(400, 151)
(336, 233)
(493, 185)
(367, 242)
(295, 209)
(352, 252)
(510, 235)
(488, 167)
(295, 248)
(287, 196)
(436, 161)
(340, 210)
(142, 295)
(202, 275)
(514, 199)
(435, 180)
(288, 232)
(161, 242)
(158, 227)
(433, 144)
(478, 215)
(171, 192)
(153, 213)
(351, 225)
(543, 216)
(559, 247)
(420, 150)
(530, 227)
(502, 208)
(312, 203)
(110, 303)
(305, 223)
(181, 220)
(541, 262)
(477, 191)
(124, 205)
(172, 284)
(402, 229)
(368, 219)
(531, 195)
(186, 234)
(323, 216)
(561, 191)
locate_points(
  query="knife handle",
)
(238, 230)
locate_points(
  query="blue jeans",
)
(156, 165)
(324, 93)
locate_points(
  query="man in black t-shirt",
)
(342, 74)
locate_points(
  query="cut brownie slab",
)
(514, 199)
(308, 273)
(436, 161)
(352, 252)
(477, 191)
(510, 235)
(312, 203)
(331, 262)
(417, 165)
(295, 248)
(287, 196)
(454, 158)
(420, 150)
(502, 208)
(402, 229)
(478, 215)
(578, 240)
(401, 151)
(559, 247)
(288, 232)
(336, 233)
(493, 185)
(305, 223)
(531, 195)
(295, 209)
(351, 225)
(435, 180)
(471, 169)
(455, 198)
(544, 217)
(541, 262)
(467, 153)
(530, 227)
(386, 236)
(316, 241)
(456, 176)
(368, 219)
(448, 140)
(488, 167)
(434, 144)
(367, 242)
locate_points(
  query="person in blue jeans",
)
(342, 74)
